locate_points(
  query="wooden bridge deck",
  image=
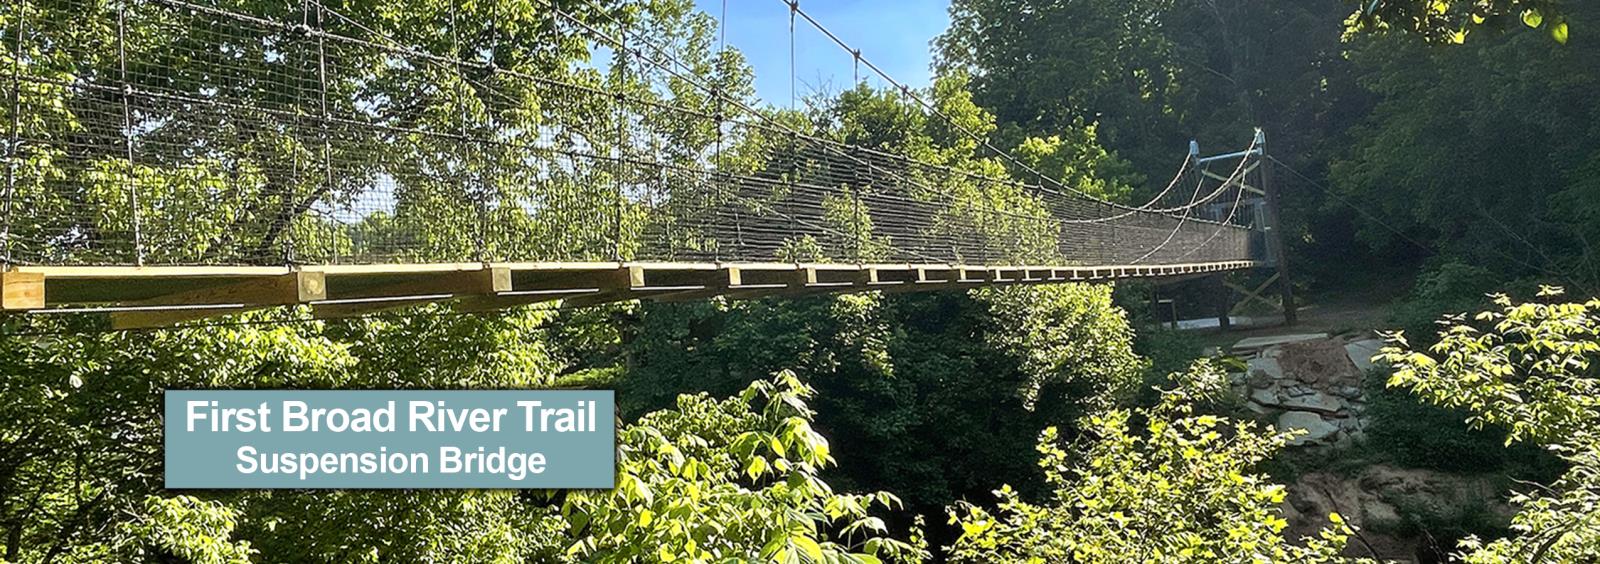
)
(153, 296)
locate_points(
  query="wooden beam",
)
(880, 277)
(362, 285)
(634, 281)
(363, 306)
(167, 316)
(285, 289)
(21, 291)
(246, 295)
(413, 288)
(719, 284)
(597, 299)
(1252, 295)
(477, 304)
(356, 289)
(972, 274)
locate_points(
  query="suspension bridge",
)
(170, 160)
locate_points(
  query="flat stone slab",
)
(1265, 368)
(1361, 353)
(1258, 343)
(1315, 427)
(1265, 397)
(1315, 401)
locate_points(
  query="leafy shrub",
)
(735, 478)
(1417, 434)
(1180, 489)
(1528, 368)
(1446, 288)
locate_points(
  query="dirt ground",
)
(1334, 313)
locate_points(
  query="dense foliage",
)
(1529, 368)
(1415, 155)
(972, 378)
(1179, 489)
(706, 479)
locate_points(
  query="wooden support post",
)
(21, 291)
(1224, 297)
(1280, 255)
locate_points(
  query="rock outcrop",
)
(1308, 382)
(1384, 503)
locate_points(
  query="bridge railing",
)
(175, 132)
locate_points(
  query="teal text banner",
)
(341, 439)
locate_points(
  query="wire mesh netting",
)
(171, 132)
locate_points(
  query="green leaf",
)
(758, 465)
(811, 548)
(1532, 17)
(1559, 32)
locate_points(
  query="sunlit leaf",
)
(1532, 17)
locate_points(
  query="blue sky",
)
(893, 34)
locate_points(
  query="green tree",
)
(1150, 75)
(1420, 165)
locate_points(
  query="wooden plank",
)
(168, 317)
(422, 268)
(604, 277)
(21, 291)
(126, 272)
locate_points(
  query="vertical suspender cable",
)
(463, 140)
(129, 180)
(13, 147)
(477, 176)
(322, 108)
(794, 8)
(486, 154)
(622, 139)
(288, 249)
